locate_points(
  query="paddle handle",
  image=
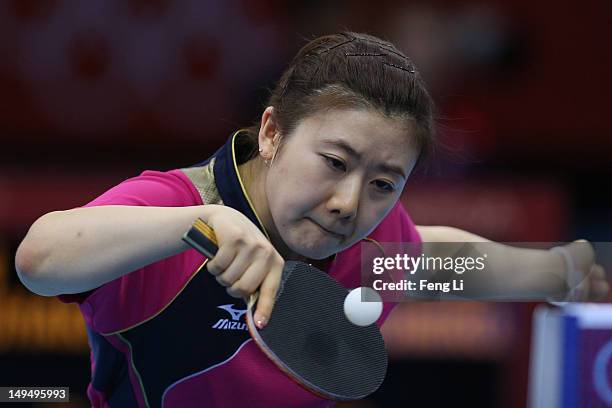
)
(202, 238)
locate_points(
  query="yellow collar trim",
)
(244, 191)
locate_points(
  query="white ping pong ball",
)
(359, 312)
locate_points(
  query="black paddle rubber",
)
(310, 338)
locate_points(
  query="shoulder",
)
(152, 188)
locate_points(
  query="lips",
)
(335, 234)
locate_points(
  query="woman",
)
(322, 171)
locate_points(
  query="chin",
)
(312, 252)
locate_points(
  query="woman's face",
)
(336, 177)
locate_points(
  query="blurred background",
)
(94, 92)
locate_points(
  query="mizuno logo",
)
(226, 324)
(234, 324)
(236, 313)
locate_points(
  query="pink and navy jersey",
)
(168, 334)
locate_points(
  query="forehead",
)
(375, 136)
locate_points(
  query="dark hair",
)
(350, 70)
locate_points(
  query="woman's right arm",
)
(81, 249)
(78, 250)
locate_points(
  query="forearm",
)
(510, 272)
(515, 273)
(78, 250)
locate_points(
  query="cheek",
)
(370, 218)
(295, 188)
(286, 200)
(304, 166)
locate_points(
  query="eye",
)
(384, 186)
(334, 163)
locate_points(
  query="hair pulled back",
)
(350, 70)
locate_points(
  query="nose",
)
(344, 201)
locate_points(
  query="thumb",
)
(583, 255)
(267, 297)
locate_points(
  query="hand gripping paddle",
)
(308, 335)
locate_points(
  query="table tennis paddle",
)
(308, 335)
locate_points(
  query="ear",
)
(268, 134)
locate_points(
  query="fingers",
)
(251, 275)
(597, 272)
(595, 284)
(236, 269)
(599, 285)
(267, 294)
(243, 270)
(233, 259)
(582, 253)
(222, 260)
(245, 260)
(581, 259)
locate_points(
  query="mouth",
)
(325, 230)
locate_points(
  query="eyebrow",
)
(341, 144)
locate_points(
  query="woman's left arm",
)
(515, 273)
